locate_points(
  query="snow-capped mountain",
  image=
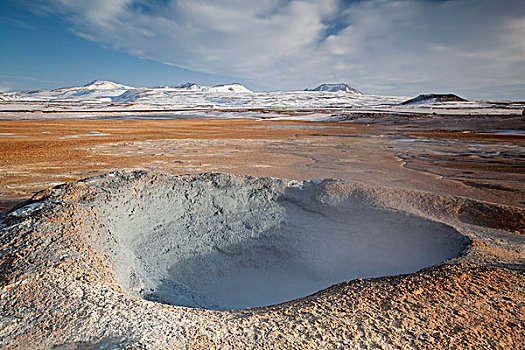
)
(102, 85)
(103, 91)
(336, 88)
(98, 87)
(95, 92)
(214, 88)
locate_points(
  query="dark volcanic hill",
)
(424, 98)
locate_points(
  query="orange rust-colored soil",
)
(39, 154)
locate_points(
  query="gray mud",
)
(220, 241)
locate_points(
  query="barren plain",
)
(468, 172)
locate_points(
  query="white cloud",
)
(471, 47)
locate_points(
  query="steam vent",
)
(135, 258)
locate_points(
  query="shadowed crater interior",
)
(221, 241)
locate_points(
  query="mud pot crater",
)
(222, 242)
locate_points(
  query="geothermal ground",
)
(419, 243)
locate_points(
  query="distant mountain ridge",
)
(104, 95)
(336, 88)
(105, 91)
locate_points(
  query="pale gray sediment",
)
(115, 256)
(225, 242)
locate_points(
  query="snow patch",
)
(226, 88)
(105, 85)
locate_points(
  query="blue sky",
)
(42, 52)
(475, 48)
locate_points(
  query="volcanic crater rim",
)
(222, 242)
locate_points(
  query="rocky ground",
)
(59, 287)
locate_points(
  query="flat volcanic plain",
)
(476, 300)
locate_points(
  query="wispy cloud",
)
(407, 46)
(17, 22)
(10, 82)
(21, 77)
